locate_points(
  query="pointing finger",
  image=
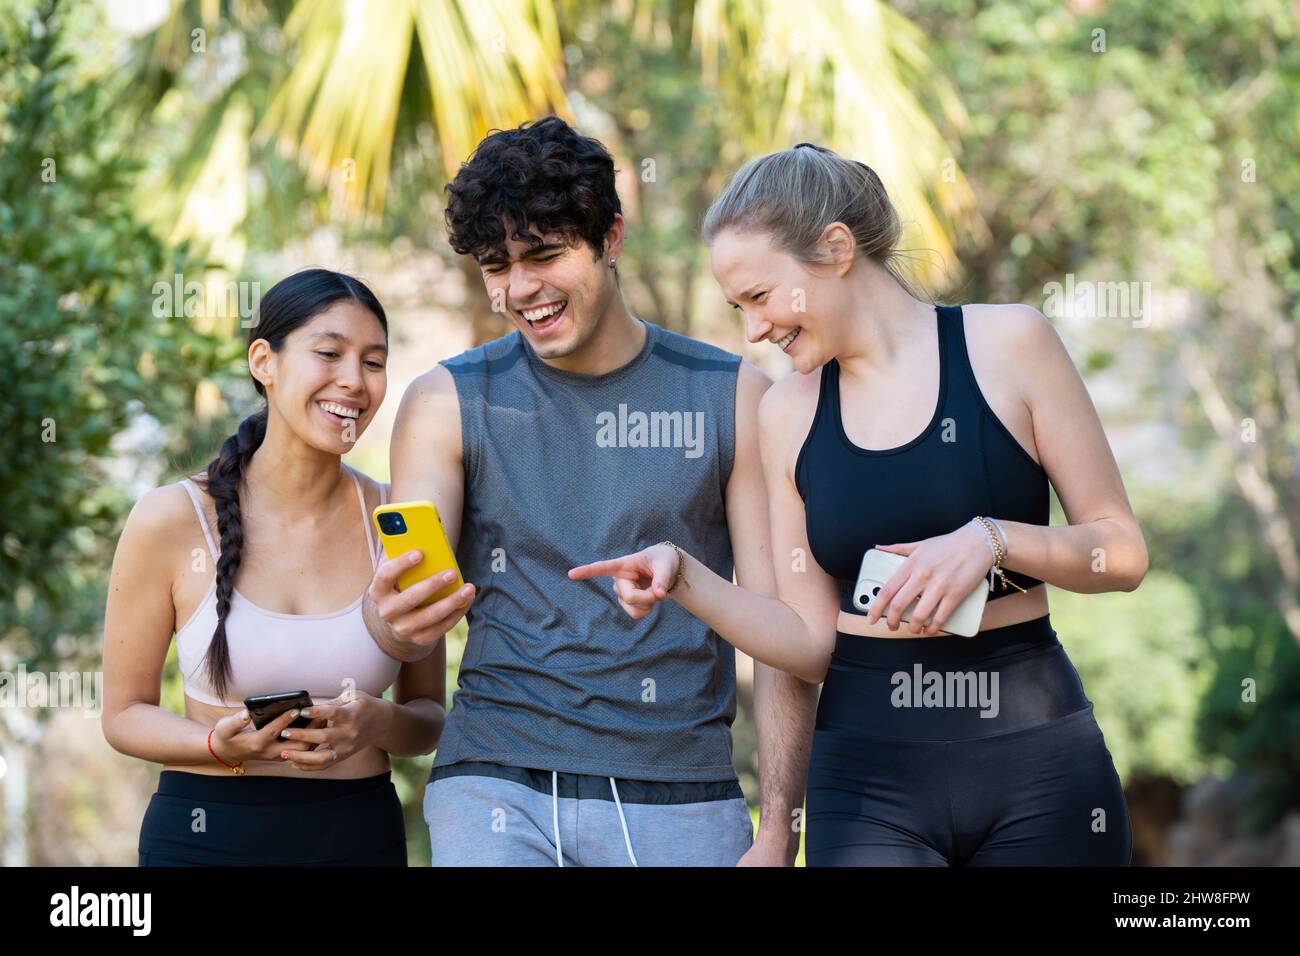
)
(597, 569)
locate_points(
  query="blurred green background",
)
(1026, 143)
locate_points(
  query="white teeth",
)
(787, 339)
(535, 315)
(341, 410)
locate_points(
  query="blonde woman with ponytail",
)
(933, 433)
(272, 602)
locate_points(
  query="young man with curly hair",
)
(580, 735)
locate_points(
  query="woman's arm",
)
(138, 624)
(1102, 547)
(794, 632)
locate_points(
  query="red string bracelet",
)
(236, 767)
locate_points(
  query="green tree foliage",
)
(1145, 665)
(82, 353)
(1160, 143)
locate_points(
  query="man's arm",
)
(427, 464)
(785, 708)
(784, 705)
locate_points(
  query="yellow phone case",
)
(422, 532)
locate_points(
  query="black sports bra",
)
(964, 463)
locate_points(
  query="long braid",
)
(225, 475)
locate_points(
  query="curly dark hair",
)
(542, 176)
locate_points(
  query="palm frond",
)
(855, 77)
(489, 64)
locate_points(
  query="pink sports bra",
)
(323, 654)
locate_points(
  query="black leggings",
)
(204, 820)
(952, 751)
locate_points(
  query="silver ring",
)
(334, 755)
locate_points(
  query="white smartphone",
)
(879, 566)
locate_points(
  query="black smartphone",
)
(264, 708)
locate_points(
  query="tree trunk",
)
(485, 325)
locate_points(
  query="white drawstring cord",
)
(555, 817)
(627, 840)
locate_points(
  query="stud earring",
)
(611, 262)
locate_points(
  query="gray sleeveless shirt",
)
(562, 469)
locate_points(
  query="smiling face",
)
(328, 378)
(784, 301)
(555, 292)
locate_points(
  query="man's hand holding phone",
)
(410, 623)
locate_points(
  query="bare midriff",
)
(1003, 612)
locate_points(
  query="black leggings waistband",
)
(199, 819)
(949, 688)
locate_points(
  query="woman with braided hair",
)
(272, 604)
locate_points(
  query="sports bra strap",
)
(365, 517)
(828, 393)
(379, 546)
(371, 543)
(203, 520)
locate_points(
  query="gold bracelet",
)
(681, 566)
(994, 544)
(999, 552)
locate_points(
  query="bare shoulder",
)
(161, 508)
(792, 398)
(751, 382)
(1015, 330)
(427, 431)
(161, 522)
(435, 385)
(430, 399)
(1013, 343)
